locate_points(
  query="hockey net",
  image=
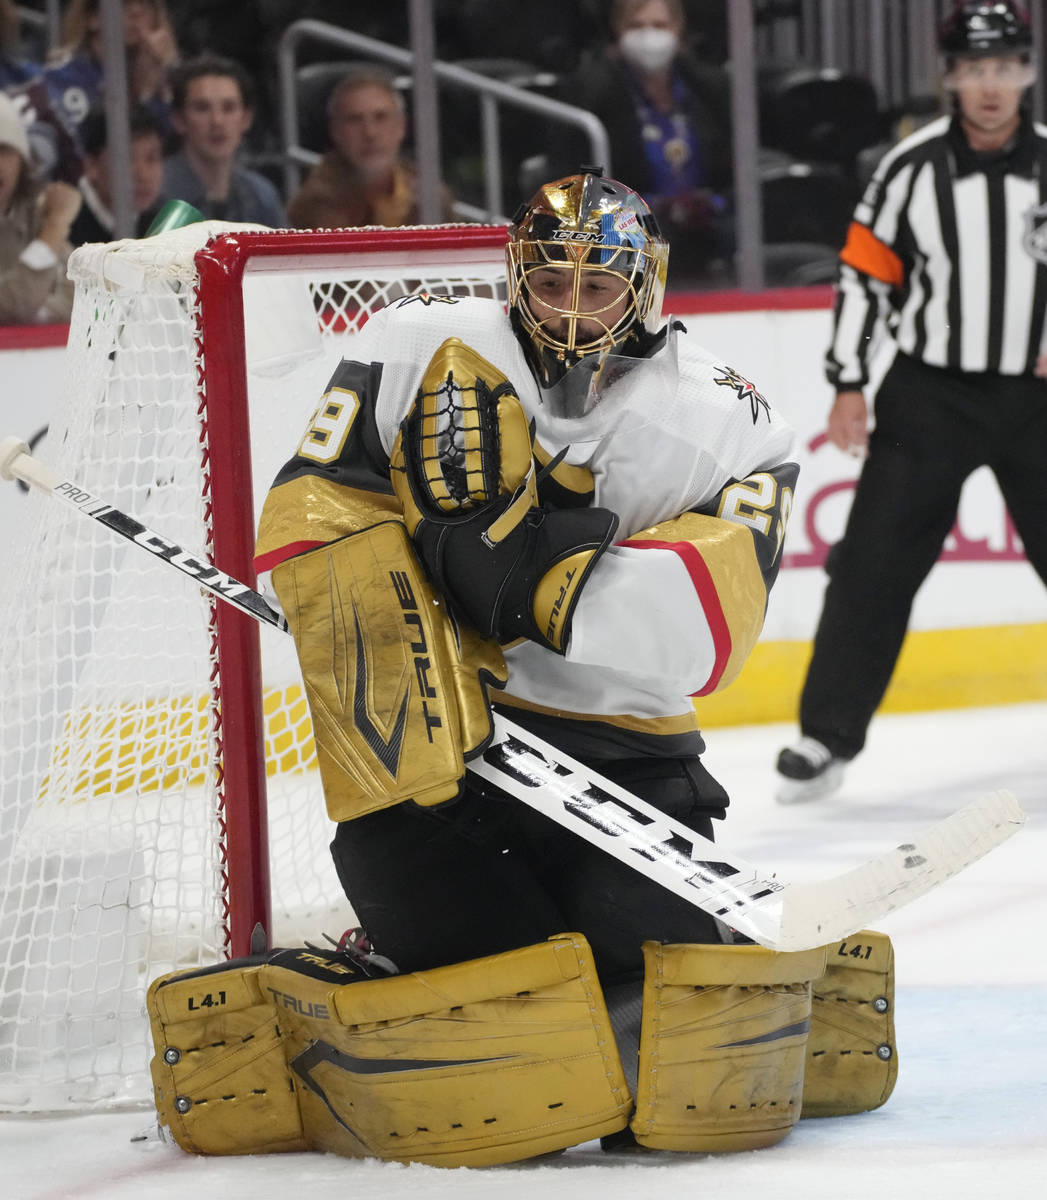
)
(148, 729)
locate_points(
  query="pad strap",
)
(852, 1058)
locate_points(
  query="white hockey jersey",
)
(687, 453)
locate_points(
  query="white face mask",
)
(649, 49)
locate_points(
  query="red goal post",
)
(221, 267)
(143, 723)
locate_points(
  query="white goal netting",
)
(120, 724)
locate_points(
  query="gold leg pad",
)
(722, 1045)
(852, 1058)
(220, 1077)
(484, 1062)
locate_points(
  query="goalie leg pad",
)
(484, 1062)
(220, 1079)
(397, 690)
(852, 1058)
(722, 1045)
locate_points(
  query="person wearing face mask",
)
(668, 118)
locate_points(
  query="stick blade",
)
(818, 913)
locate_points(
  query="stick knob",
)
(10, 449)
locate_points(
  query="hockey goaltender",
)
(575, 508)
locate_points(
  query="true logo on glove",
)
(552, 631)
(419, 648)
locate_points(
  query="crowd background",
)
(206, 119)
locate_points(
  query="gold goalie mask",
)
(586, 266)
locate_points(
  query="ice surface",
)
(968, 1118)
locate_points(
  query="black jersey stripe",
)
(920, 280)
(998, 299)
(943, 165)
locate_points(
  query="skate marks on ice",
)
(966, 1121)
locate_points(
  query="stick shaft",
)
(536, 773)
(23, 466)
(773, 912)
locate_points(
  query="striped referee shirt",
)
(951, 248)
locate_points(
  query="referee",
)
(949, 245)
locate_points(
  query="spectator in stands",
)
(249, 34)
(14, 68)
(34, 232)
(76, 77)
(668, 118)
(213, 107)
(95, 222)
(363, 179)
(52, 144)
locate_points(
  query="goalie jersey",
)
(687, 453)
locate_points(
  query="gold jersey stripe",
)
(311, 508)
(727, 579)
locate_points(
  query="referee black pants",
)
(933, 429)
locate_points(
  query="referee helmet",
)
(978, 29)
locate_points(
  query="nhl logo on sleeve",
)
(1035, 239)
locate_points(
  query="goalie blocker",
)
(512, 1056)
(396, 687)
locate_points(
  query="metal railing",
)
(491, 94)
(48, 19)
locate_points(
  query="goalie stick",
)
(777, 914)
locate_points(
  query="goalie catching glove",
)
(463, 470)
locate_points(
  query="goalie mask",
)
(586, 266)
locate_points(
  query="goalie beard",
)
(396, 689)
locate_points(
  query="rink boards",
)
(979, 628)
